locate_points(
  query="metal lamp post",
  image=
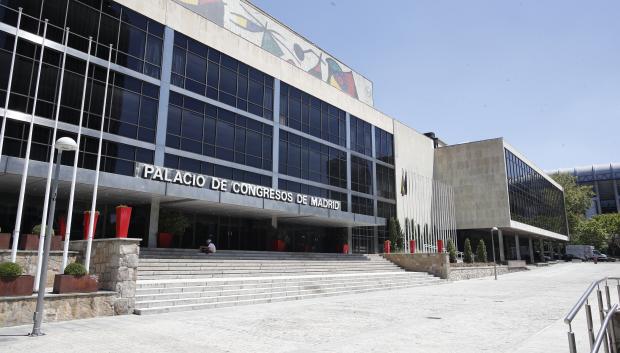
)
(493, 247)
(63, 144)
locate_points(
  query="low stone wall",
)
(58, 307)
(435, 264)
(462, 273)
(28, 260)
(115, 262)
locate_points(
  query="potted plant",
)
(75, 280)
(123, 216)
(87, 223)
(171, 224)
(5, 240)
(12, 283)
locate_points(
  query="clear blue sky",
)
(544, 74)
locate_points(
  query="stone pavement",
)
(521, 312)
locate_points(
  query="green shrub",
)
(36, 230)
(451, 251)
(10, 270)
(468, 255)
(481, 252)
(75, 269)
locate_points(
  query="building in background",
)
(261, 139)
(605, 182)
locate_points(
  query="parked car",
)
(569, 257)
(602, 257)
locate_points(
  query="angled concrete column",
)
(500, 238)
(153, 223)
(517, 247)
(531, 246)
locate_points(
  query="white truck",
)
(583, 252)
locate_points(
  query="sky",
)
(543, 74)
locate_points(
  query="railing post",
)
(611, 332)
(571, 342)
(590, 325)
(601, 310)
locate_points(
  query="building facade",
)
(219, 112)
(496, 186)
(605, 182)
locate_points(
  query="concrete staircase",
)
(171, 280)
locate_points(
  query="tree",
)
(481, 252)
(591, 232)
(468, 255)
(601, 231)
(451, 251)
(577, 200)
(400, 236)
(395, 233)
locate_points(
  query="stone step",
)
(157, 283)
(174, 269)
(241, 274)
(207, 292)
(198, 299)
(273, 299)
(154, 287)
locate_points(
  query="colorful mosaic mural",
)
(253, 25)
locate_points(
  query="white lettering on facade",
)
(197, 180)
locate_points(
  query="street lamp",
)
(62, 144)
(494, 229)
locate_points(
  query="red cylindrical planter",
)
(164, 240)
(387, 247)
(439, 246)
(280, 245)
(412, 246)
(345, 249)
(123, 216)
(62, 226)
(87, 224)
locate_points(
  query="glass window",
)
(321, 120)
(226, 79)
(534, 200)
(203, 128)
(386, 182)
(384, 146)
(310, 160)
(362, 205)
(361, 175)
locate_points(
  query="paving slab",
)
(521, 312)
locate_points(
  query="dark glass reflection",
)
(533, 199)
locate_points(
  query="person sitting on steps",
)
(209, 248)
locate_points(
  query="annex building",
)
(260, 138)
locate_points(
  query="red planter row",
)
(20, 286)
(75, 284)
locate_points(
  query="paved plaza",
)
(521, 312)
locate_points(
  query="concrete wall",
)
(434, 264)
(115, 262)
(463, 273)
(16, 311)
(413, 152)
(477, 172)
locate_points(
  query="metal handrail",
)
(582, 300)
(600, 336)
